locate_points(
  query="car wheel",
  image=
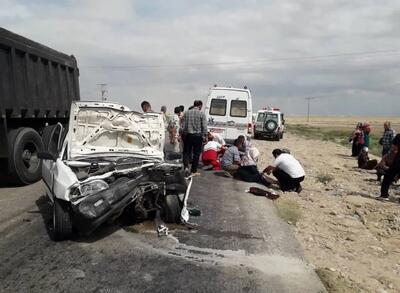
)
(62, 225)
(278, 137)
(172, 209)
(270, 125)
(281, 135)
(23, 162)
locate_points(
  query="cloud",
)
(173, 36)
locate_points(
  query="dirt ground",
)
(352, 239)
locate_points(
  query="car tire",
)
(24, 166)
(278, 137)
(270, 125)
(62, 225)
(281, 135)
(172, 209)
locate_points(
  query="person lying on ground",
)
(364, 162)
(231, 160)
(216, 137)
(250, 173)
(287, 170)
(393, 171)
(210, 155)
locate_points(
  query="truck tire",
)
(171, 209)
(24, 166)
(62, 225)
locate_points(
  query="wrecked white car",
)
(107, 161)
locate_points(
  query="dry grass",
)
(338, 129)
(288, 209)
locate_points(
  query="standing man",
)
(387, 138)
(146, 107)
(287, 170)
(195, 130)
(394, 169)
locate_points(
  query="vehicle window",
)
(218, 107)
(238, 108)
(270, 115)
(260, 117)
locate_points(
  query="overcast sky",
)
(347, 53)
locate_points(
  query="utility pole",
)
(103, 91)
(308, 108)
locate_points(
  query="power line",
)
(365, 54)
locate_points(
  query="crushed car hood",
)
(101, 128)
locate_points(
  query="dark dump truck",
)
(37, 85)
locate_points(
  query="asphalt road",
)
(239, 245)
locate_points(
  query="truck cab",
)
(229, 112)
(269, 123)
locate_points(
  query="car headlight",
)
(93, 187)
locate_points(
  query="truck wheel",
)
(23, 163)
(62, 225)
(171, 209)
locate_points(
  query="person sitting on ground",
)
(387, 138)
(364, 162)
(211, 152)
(287, 170)
(231, 160)
(146, 107)
(393, 171)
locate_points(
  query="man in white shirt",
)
(287, 170)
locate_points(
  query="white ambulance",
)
(229, 112)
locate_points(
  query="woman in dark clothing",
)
(357, 138)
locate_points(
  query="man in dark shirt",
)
(393, 170)
(195, 131)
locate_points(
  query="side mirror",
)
(47, 156)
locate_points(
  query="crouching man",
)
(287, 170)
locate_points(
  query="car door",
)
(52, 146)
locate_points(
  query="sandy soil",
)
(351, 238)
